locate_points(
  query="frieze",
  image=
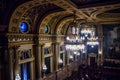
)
(19, 37)
(33, 37)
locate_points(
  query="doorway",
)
(92, 61)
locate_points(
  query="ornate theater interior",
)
(59, 39)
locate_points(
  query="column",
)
(64, 59)
(51, 63)
(16, 65)
(11, 62)
(6, 64)
(42, 58)
(68, 57)
(38, 61)
(86, 58)
(32, 63)
(100, 47)
(56, 55)
(81, 58)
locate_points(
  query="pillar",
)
(100, 47)
(42, 58)
(16, 65)
(56, 55)
(38, 61)
(11, 62)
(68, 57)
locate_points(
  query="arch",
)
(49, 18)
(61, 24)
(102, 10)
(19, 12)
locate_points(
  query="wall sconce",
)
(75, 52)
(17, 77)
(60, 61)
(100, 52)
(71, 57)
(44, 69)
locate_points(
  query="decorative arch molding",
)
(57, 20)
(49, 18)
(103, 9)
(17, 15)
(62, 23)
(19, 12)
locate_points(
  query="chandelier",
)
(79, 35)
(92, 43)
(75, 47)
(73, 39)
(87, 29)
(93, 40)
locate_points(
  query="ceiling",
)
(93, 3)
(44, 11)
(101, 11)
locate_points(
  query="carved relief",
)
(24, 54)
(15, 20)
(21, 9)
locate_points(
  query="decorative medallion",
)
(24, 27)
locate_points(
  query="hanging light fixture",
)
(74, 36)
(93, 40)
(87, 29)
(80, 34)
(73, 39)
(75, 47)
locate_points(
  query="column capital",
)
(57, 43)
(41, 45)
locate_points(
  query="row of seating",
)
(94, 73)
(111, 64)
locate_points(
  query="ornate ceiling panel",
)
(30, 11)
(93, 3)
(39, 12)
(51, 19)
(42, 12)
